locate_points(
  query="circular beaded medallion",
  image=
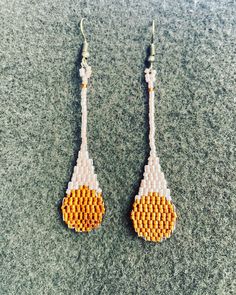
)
(82, 209)
(153, 217)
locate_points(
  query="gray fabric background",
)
(40, 46)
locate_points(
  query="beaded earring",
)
(83, 207)
(153, 215)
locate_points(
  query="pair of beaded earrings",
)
(153, 215)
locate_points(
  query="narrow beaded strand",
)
(85, 74)
(150, 77)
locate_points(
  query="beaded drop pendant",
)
(83, 207)
(153, 215)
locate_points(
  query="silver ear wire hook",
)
(151, 57)
(85, 53)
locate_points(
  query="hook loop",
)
(151, 57)
(85, 53)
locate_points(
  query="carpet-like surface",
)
(40, 137)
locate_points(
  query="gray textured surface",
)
(40, 131)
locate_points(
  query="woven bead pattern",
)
(153, 217)
(83, 209)
(153, 213)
